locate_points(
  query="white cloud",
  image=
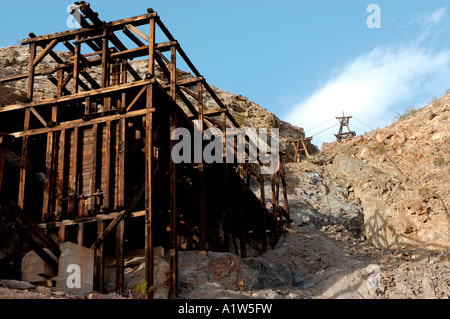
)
(373, 86)
(435, 17)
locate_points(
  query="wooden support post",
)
(2, 164)
(62, 233)
(277, 202)
(59, 87)
(48, 176)
(123, 70)
(151, 48)
(93, 178)
(274, 206)
(31, 71)
(297, 146)
(201, 172)
(87, 109)
(241, 209)
(173, 73)
(49, 169)
(283, 183)
(105, 58)
(24, 160)
(76, 65)
(263, 202)
(62, 166)
(225, 207)
(121, 173)
(120, 270)
(114, 72)
(73, 184)
(107, 154)
(80, 234)
(173, 282)
(305, 148)
(46, 50)
(149, 195)
(225, 211)
(108, 229)
(100, 259)
(105, 63)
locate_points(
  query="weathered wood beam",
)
(107, 186)
(186, 82)
(2, 163)
(38, 116)
(91, 15)
(126, 54)
(100, 259)
(24, 160)
(263, 202)
(81, 95)
(151, 47)
(55, 81)
(283, 183)
(105, 59)
(44, 52)
(122, 167)
(136, 98)
(92, 38)
(61, 167)
(149, 179)
(76, 66)
(73, 182)
(93, 177)
(180, 50)
(33, 227)
(49, 169)
(210, 113)
(241, 214)
(112, 26)
(120, 257)
(173, 204)
(80, 123)
(138, 32)
(108, 229)
(51, 53)
(132, 37)
(35, 247)
(31, 72)
(201, 172)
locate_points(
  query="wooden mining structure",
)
(103, 145)
(344, 123)
(301, 146)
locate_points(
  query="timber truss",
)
(102, 141)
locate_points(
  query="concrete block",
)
(158, 251)
(32, 265)
(76, 269)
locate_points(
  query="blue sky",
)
(306, 61)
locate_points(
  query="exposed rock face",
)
(400, 174)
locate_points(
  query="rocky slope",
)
(400, 175)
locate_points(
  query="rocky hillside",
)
(400, 175)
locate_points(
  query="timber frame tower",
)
(103, 144)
